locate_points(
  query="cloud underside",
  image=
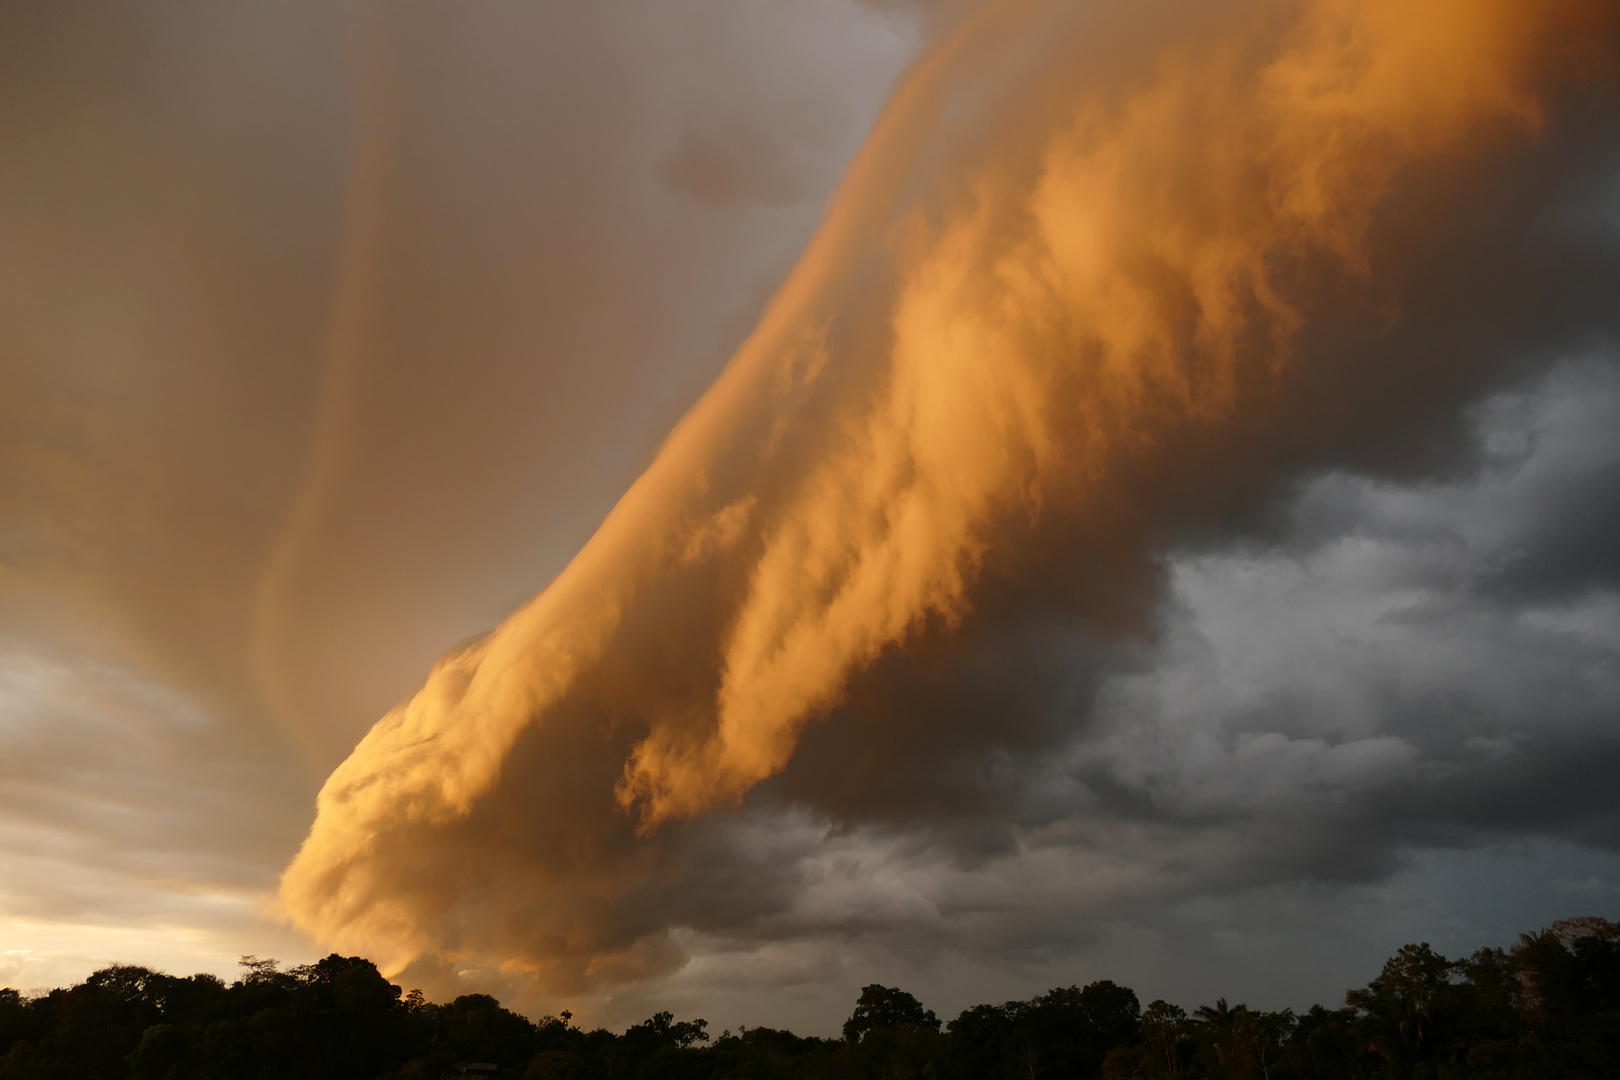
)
(1184, 461)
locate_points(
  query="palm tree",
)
(1216, 1022)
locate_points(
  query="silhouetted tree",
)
(1549, 1007)
(886, 1008)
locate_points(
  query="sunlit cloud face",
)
(1104, 282)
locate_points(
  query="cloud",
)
(131, 826)
(978, 601)
(1376, 677)
(193, 455)
(328, 333)
(1140, 622)
(735, 166)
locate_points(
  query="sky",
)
(707, 504)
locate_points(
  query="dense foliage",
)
(1547, 1007)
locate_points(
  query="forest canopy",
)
(1548, 1006)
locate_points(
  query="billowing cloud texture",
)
(1177, 465)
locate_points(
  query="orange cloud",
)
(1069, 287)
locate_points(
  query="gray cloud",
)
(132, 823)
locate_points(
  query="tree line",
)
(1548, 1006)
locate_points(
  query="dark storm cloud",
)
(1370, 686)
